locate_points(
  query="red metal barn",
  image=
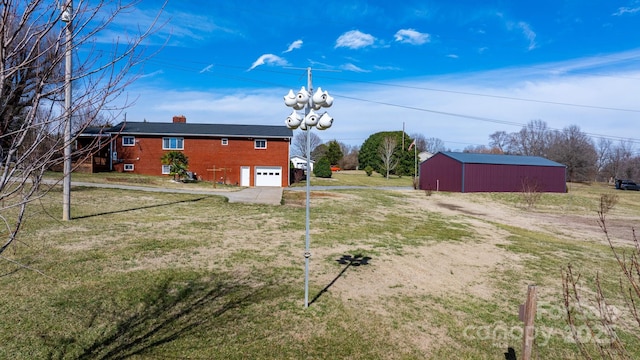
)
(466, 172)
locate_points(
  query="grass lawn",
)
(144, 275)
(360, 178)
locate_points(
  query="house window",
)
(225, 141)
(260, 144)
(128, 141)
(128, 167)
(166, 169)
(173, 143)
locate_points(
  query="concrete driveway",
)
(256, 195)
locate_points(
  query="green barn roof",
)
(498, 159)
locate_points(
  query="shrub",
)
(594, 322)
(368, 170)
(178, 164)
(531, 193)
(322, 168)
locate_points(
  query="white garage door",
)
(268, 176)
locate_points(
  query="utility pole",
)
(66, 17)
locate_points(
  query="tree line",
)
(586, 159)
(388, 153)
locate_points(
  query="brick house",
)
(244, 155)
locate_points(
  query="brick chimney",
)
(179, 119)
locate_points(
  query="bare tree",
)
(89, 117)
(299, 144)
(432, 145)
(531, 140)
(624, 157)
(620, 162)
(480, 149)
(387, 154)
(499, 140)
(350, 159)
(32, 59)
(576, 150)
(604, 150)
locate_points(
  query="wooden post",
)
(214, 169)
(529, 316)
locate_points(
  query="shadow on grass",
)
(356, 260)
(139, 208)
(168, 313)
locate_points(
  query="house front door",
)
(245, 175)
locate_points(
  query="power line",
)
(489, 96)
(472, 117)
(479, 118)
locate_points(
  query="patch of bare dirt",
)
(579, 227)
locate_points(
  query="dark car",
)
(627, 185)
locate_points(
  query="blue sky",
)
(455, 70)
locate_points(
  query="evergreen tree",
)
(322, 169)
(369, 154)
(334, 152)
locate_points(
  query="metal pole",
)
(307, 250)
(415, 162)
(66, 187)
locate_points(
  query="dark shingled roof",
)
(95, 131)
(190, 129)
(469, 158)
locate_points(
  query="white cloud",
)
(603, 64)
(528, 33)
(355, 39)
(353, 68)
(626, 10)
(269, 59)
(294, 45)
(319, 64)
(152, 74)
(386, 68)
(453, 56)
(410, 36)
(206, 69)
(524, 28)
